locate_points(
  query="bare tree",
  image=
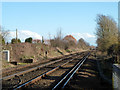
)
(106, 32)
(58, 39)
(83, 44)
(59, 34)
(4, 34)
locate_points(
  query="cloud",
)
(86, 36)
(82, 35)
(23, 34)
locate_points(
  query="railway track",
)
(24, 70)
(63, 82)
(51, 79)
(21, 78)
(26, 67)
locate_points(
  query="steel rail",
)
(71, 71)
(74, 72)
(29, 66)
(32, 69)
(43, 75)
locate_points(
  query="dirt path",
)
(87, 78)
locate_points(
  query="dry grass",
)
(20, 51)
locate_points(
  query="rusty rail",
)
(32, 69)
(41, 76)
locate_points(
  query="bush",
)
(15, 41)
(28, 40)
(3, 41)
(68, 51)
(113, 49)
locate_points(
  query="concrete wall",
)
(116, 77)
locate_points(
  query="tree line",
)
(60, 42)
(57, 41)
(108, 36)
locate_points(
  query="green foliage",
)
(19, 41)
(15, 41)
(32, 57)
(27, 57)
(67, 50)
(28, 40)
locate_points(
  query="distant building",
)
(47, 42)
(36, 41)
(92, 47)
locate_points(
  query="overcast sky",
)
(38, 19)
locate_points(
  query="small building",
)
(6, 55)
(36, 41)
(47, 42)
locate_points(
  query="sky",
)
(37, 19)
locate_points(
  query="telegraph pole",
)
(42, 40)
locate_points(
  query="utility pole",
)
(42, 40)
(16, 37)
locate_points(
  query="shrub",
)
(15, 41)
(3, 41)
(28, 40)
(68, 51)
